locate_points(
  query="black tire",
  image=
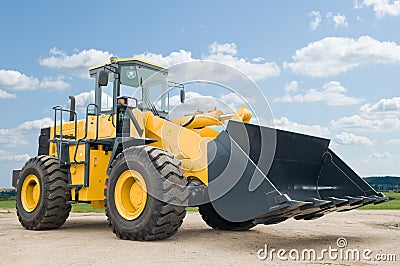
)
(51, 210)
(167, 195)
(215, 221)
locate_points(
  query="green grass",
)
(84, 208)
(390, 205)
(79, 208)
(192, 209)
(7, 204)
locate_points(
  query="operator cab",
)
(131, 82)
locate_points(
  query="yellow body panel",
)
(98, 158)
(97, 174)
(200, 121)
(106, 128)
(77, 171)
(98, 204)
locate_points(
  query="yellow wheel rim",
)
(130, 194)
(30, 193)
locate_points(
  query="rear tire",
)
(158, 209)
(41, 194)
(215, 221)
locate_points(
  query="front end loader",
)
(128, 158)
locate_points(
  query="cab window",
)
(107, 95)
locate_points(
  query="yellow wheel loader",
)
(128, 158)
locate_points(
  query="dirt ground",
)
(85, 239)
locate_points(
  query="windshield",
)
(146, 85)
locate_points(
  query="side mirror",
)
(182, 96)
(102, 78)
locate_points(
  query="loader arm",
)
(187, 145)
(186, 137)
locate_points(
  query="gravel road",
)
(86, 239)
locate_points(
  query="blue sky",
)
(328, 68)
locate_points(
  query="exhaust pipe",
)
(72, 108)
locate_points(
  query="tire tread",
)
(54, 210)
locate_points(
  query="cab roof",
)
(133, 60)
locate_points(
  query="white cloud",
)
(12, 137)
(316, 130)
(385, 155)
(351, 139)
(293, 86)
(381, 7)
(383, 115)
(233, 98)
(83, 99)
(393, 142)
(256, 71)
(189, 95)
(339, 20)
(384, 108)
(316, 19)
(225, 53)
(6, 95)
(54, 83)
(196, 101)
(173, 58)
(14, 157)
(223, 48)
(258, 59)
(15, 80)
(36, 124)
(78, 63)
(356, 122)
(332, 93)
(335, 55)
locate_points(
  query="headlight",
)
(132, 102)
(127, 101)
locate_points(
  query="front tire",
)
(146, 194)
(215, 221)
(41, 194)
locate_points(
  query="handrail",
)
(59, 108)
(87, 120)
(86, 127)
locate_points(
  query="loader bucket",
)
(251, 178)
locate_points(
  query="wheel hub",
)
(30, 193)
(130, 194)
